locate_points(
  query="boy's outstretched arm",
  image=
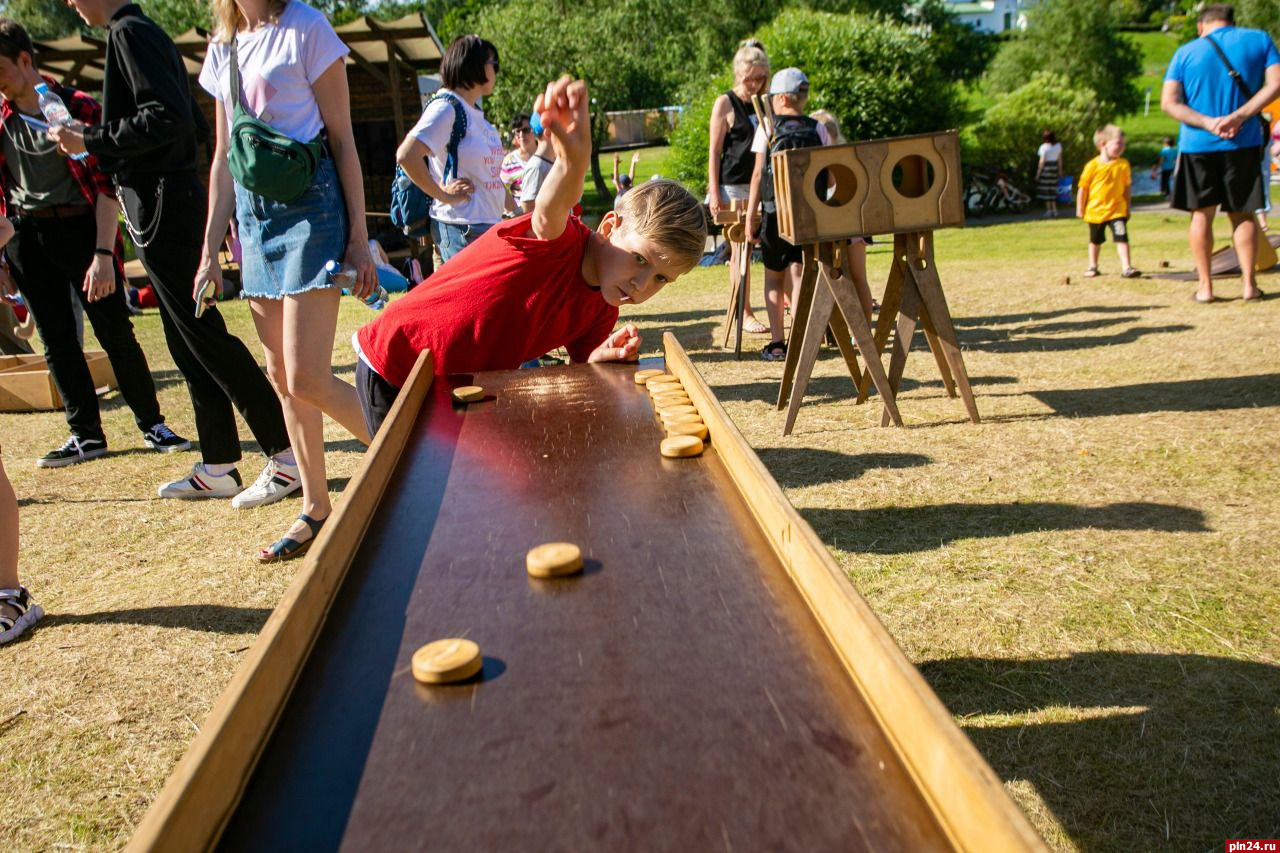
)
(565, 115)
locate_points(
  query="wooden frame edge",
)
(963, 792)
(205, 786)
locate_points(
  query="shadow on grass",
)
(836, 387)
(1007, 343)
(1034, 316)
(1177, 750)
(803, 466)
(1192, 395)
(217, 618)
(904, 530)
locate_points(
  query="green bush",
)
(878, 78)
(1010, 132)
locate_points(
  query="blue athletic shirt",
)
(1208, 89)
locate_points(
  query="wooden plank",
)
(207, 783)
(966, 796)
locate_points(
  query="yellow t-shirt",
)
(1106, 185)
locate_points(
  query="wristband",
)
(107, 252)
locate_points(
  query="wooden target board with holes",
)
(709, 680)
(884, 186)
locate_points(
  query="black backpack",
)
(788, 132)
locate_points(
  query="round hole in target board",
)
(835, 185)
(913, 176)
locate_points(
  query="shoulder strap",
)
(235, 77)
(1235, 75)
(455, 135)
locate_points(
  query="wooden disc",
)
(660, 377)
(683, 418)
(661, 383)
(447, 661)
(684, 409)
(643, 376)
(554, 560)
(675, 398)
(468, 394)
(697, 428)
(679, 446)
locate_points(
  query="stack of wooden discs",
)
(686, 431)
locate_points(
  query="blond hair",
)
(1107, 133)
(828, 120)
(746, 58)
(666, 213)
(227, 18)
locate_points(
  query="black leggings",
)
(376, 396)
(219, 369)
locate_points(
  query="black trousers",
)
(49, 258)
(219, 369)
(376, 396)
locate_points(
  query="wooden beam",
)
(397, 108)
(965, 795)
(374, 72)
(203, 790)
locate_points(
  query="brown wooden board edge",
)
(964, 793)
(205, 787)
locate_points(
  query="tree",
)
(1008, 134)
(44, 20)
(879, 78)
(1077, 39)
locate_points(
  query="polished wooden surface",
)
(677, 695)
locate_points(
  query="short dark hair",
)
(14, 40)
(464, 62)
(521, 120)
(1050, 137)
(1224, 12)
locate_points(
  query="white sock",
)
(285, 457)
(219, 470)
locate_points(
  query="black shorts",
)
(1232, 179)
(1119, 231)
(375, 394)
(776, 252)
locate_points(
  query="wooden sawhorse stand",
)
(914, 294)
(827, 284)
(734, 220)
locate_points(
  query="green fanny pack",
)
(262, 159)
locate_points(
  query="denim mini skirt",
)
(285, 245)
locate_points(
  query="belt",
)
(58, 211)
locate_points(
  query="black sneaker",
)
(165, 440)
(75, 450)
(774, 351)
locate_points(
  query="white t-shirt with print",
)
(1050, 153)
(480, 156)
(279, 62)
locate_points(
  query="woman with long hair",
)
(730, 161)
(291, 77)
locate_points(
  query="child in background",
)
(858, 245)
(626, 180)
(1106, 187)
(1168, 159)
(789, 92)
(540, 281)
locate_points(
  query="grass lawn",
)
(1087, 578)
(1145, 131)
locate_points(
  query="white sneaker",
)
(202, 484)
(275, 482)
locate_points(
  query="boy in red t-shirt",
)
(540, 281)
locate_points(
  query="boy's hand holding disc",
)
(565, 114)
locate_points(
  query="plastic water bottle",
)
(55, 112)
(345, 277)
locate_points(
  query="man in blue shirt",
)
(1221, 143)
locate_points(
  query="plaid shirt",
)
(90, 180)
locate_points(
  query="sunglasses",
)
(520, 130)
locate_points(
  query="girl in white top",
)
(473, 198)
(1048, 170)
(292, 77)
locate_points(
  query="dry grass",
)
(1088, 578)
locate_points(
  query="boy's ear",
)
(608, 223)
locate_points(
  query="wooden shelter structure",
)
(382, 72)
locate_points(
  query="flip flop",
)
(1195, 297)
(286, 548)
(752, 326)
(1261, 296)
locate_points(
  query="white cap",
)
(788, 81)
